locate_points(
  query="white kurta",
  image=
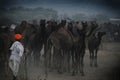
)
(15, 58)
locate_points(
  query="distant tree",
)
(102, 18)
(20, 13)
(4, 21)
(79, 17)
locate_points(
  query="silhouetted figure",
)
(93, 46)
(17, 51)
(43, 29)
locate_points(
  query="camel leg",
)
(68, 61)
(48, 46)
(82, 63)
(46, 66)
(60, 58)
(36, 57)
(49, 57)
(81, 66)
(57, 59)
(73, 62)
(50, 60)
(54, 58)
(31, 58)
(95, 58)
(76, 62)
(65, 61)
(62, 61)
(79, 62)
(92, 58)
(46, 62)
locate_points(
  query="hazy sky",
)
(70, 6)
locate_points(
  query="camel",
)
(79, 47)
(38, 39)
(5, 42)
(93, 45)
(65, 41)
(28, 31)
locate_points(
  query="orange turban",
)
(18, 36)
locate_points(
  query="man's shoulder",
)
(17, 42)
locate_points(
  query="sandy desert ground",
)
(108, 67)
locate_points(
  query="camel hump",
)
(68, 34)
(64, 32)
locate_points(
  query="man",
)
(17, 50)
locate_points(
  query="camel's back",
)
(93, 43)
(62, 37)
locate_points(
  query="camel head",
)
(23, 23)
(42, 21)
(70, 24)
(101, 34)
(84, 24)
(34, 22)
(94, 25)
(63, 22)
(52, 23)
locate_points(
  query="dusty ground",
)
(108, 67)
